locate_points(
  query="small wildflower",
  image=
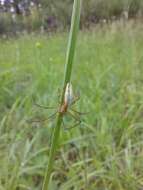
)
(38, 45)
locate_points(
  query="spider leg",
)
(36, 120)
(53, 115)
(76, 124)
(45, 107)
(59, 93)
(77, 119)
(63, 124)
(76, 98)
(80, 113)
(42, 106)
(43, 120)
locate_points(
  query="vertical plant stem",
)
(68, 70)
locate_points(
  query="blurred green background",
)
(52, 15)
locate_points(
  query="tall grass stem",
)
(68, 70)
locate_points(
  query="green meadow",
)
(104, 152)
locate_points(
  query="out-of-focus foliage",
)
(108, 145)
(19, 15)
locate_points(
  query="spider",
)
(66, 107)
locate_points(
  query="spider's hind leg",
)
(77, 121)
(42, 120)
(79, 113)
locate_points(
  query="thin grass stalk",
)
(68, 70)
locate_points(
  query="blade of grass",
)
(68, 69)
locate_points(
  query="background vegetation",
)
(105, 152)
(47, 15)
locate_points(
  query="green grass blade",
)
(68, 70)
(72, 40)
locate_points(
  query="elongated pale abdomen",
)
(69, 97)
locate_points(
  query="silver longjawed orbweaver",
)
(66, 107)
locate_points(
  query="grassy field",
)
(106, 151)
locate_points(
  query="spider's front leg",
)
(76, 98)
(45, 107)
(42, 106)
